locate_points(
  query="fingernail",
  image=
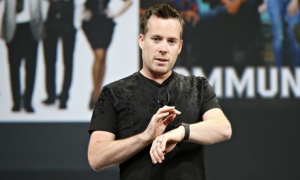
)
(178, 112)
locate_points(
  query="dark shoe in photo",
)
(16, 108)
(29, 108)
(49, 101)
(92, 103)
(63, 105)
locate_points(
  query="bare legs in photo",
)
(98, 72)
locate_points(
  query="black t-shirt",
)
(125, 108)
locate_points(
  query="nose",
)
(162, 52)
(163, 48)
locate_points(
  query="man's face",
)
(160, 45)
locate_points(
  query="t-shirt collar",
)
(165, 83)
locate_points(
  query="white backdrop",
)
(122, 60)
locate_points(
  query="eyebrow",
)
(174, 39)
(168, 38)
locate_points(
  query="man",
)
(62, 23)
(22, 28)
(144, 113)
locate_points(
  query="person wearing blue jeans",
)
(282, 16)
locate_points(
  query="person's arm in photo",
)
(262, 7)
(78, 13)
(191, 15)
(293, 7)
(45, 4)
(123, 9)
(1, 14)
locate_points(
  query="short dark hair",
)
(164, 11)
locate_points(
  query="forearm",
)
(206, 132)
(214, 128)
(210, 131)
(103, 154)
(293, 7)
(126, 5)
(105, 151)
(78, 13)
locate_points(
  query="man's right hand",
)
(159, 122)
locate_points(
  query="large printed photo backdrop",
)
(121, 61)
(249, 53)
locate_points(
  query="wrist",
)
(145, 138)
(181, 132)
(186, 131)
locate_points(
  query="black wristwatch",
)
(187, 130)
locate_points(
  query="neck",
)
(159, 78)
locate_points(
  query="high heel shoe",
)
(49, 101)
(63, 105)
(92, 102)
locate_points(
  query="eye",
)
(155, 39)
(172, 41)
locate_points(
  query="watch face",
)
(179, 124)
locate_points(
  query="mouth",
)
(161, 59)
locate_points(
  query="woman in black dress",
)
(98, 26)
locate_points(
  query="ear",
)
(180, 46)
(141, 40)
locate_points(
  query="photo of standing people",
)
(74, 48)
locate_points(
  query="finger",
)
(161, 116)
(159, 149)
(177, 112)
(152, 155)
(174, 111)
(170, 109)
(169, 119)
(156, 152)
(165, 109)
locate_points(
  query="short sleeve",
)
(209, 99)
(104, 116)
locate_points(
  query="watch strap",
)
(187, 131)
